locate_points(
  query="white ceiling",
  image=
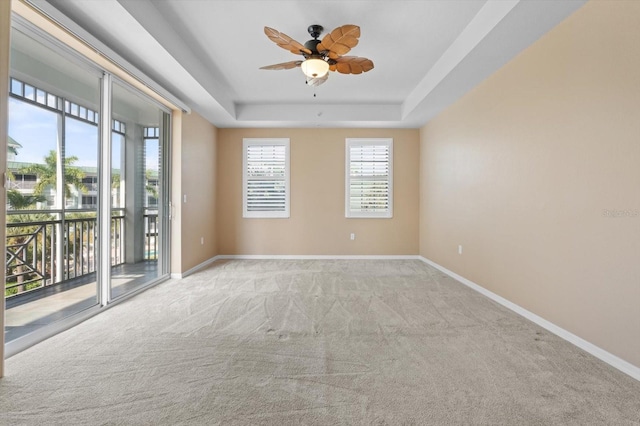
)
(208, 53)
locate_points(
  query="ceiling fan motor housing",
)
(312, 46)
(315, 30)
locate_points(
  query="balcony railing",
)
(150, 235)
(44, 250)
(21, 184)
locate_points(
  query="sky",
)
(35, 129)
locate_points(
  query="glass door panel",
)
(137, 173)
(52, 164)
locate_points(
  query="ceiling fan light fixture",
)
(321, 56)
(315, 67)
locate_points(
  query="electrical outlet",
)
(202, 240)
(460, 249)
(185, 197)
(353, 236)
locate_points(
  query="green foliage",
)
(81, 215)
(20, 201)
(115, 180)
(151, 189)
(47, 174)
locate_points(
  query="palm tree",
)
(20, 201)
(150, 188)
(47, 174)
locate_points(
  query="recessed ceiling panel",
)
(426, 53)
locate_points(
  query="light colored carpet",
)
(312, 342)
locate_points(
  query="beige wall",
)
(317, 225)
(521, 170)
(197, 217)
(5, 28)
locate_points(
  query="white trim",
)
(178, 275)
(318, 257)
(246, 143)
(351, 142)
(105, 143)
(195, 269)
(609, 358)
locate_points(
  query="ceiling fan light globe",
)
(315, 68)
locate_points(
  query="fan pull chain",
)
(307, 81)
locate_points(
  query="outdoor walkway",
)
(30, 311)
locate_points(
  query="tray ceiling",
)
(427, 54)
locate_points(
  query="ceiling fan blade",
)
(282, 66)
(285, 41)
(317, 81)
(340, 41)
(353, 65)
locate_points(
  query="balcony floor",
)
(29, 311)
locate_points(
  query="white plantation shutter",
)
(266, 178)
(369, 178)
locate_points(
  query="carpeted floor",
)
(312, 342)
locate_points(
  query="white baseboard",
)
(317, 257)
(290, 257)
(594, 350)
(196, 268)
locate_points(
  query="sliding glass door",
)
(137, 173)
(51, 195)
(86, 207)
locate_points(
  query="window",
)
(265, 184)
(369, 178)
(90, 183)
(151, 160)
(152, 202)
(89, 201)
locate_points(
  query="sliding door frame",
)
(103, 275)
(104, 194)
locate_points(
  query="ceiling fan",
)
(320, 57)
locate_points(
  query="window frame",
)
(246, 142)
(350, 142)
